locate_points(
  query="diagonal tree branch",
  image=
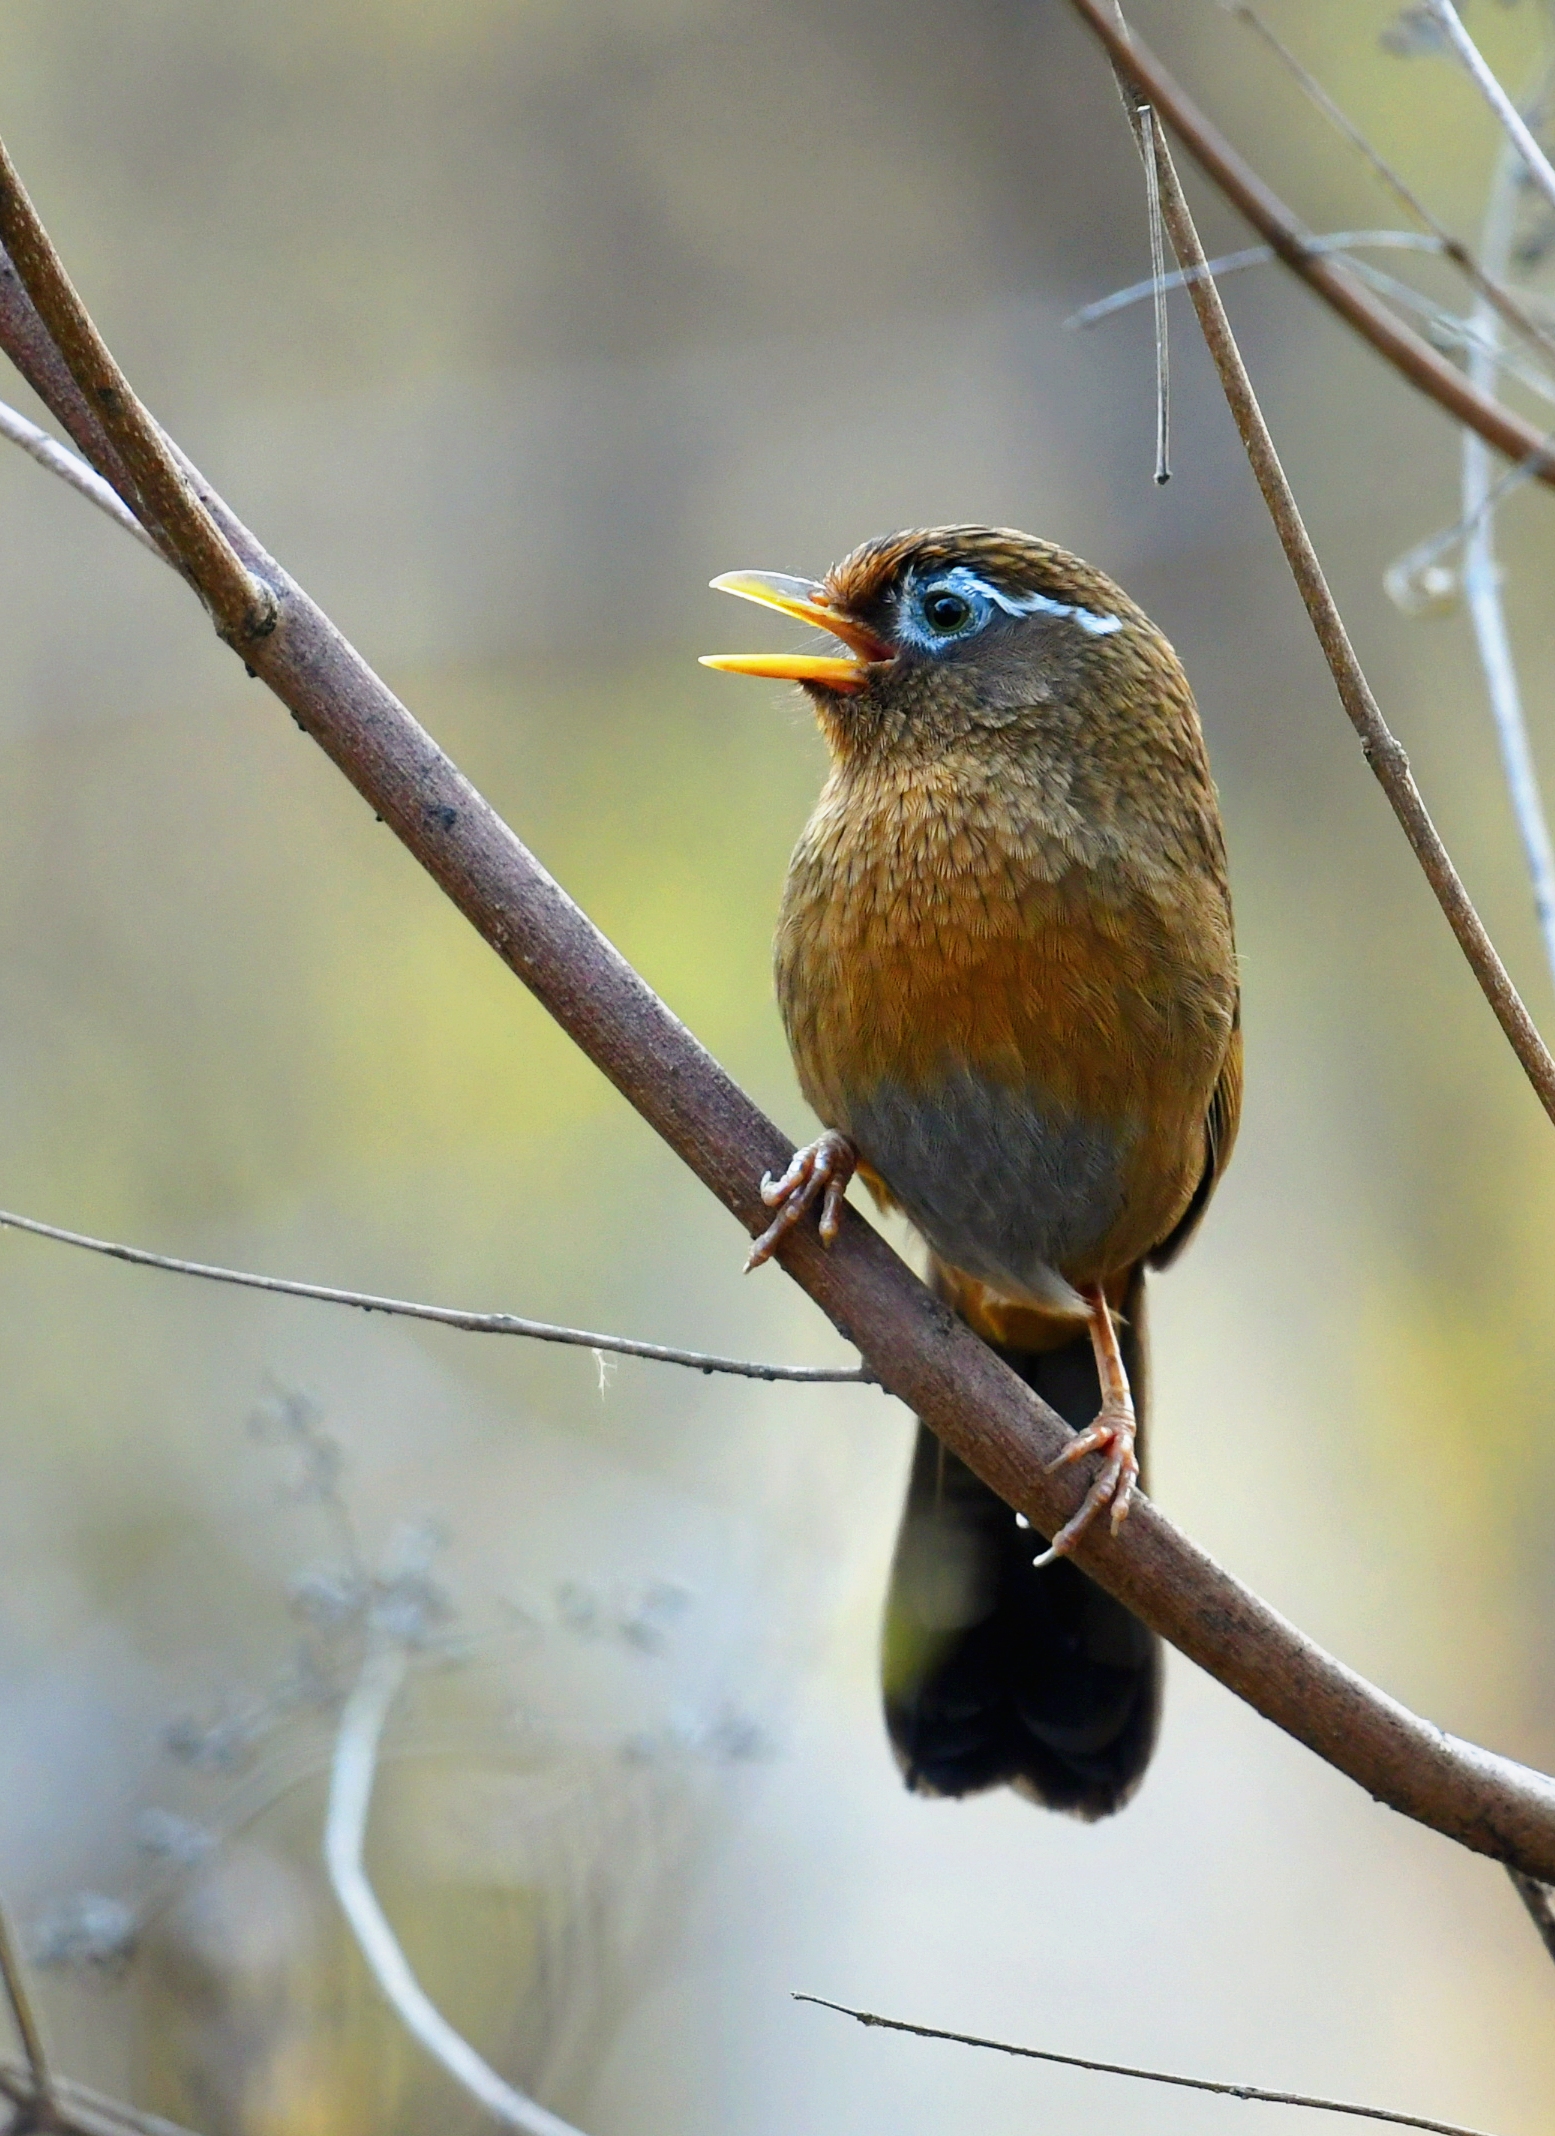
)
(914, 1344)
(1240, 183)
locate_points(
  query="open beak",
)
(803, 598)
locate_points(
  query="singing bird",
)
(1006, 968)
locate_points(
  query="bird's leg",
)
(821, 1170)
(1112, 1433)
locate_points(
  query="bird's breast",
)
(1018, 1022)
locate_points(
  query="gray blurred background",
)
(506, 324)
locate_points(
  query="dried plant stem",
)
(345, 1837)
(1412, 357)
(1254, 2092)
(918, 1349)
(1540, 1902)
(79, 2111)
(1487, 283)
(28, 2033)
(242, 606)
(49, 453)
(1482, 579)
(1515, 126)
(1382, 750)
(446, 1316)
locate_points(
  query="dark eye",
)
(946, 612)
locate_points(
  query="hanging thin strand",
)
(1163, 365)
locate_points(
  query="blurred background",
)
(506, 324)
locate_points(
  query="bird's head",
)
(949, 632)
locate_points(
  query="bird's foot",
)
(1113, 1433)
(820, 1171)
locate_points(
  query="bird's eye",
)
(946, 612)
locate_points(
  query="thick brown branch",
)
(915, 1345)
(1268, 214)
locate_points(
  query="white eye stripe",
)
(963, 580)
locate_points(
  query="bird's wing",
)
(1220, 1126)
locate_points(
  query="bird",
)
(1006, 968)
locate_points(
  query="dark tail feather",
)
(996, 1674)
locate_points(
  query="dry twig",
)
(41, 2108)
(446, 1316)
(242, 605)
(917, 1347)
(345, 1837)
(79, 2111)
(1380, 747)
(1414, 358)
(1515, 126)
(1254, 2092)
(49, 453)
(1490, 286)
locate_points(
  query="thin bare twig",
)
(1482, 580)
(28, 2033)
(1540, 1902)
(1406, 577)
(1380, 747)
(1411, 356)
(80, 2111)
(59, 460)
(1254, 2092)
(1249, 256)
(1516, 127)
(242, 605)
(446, 1316)
(926, 1357)
(1491, 287)
(345, 1837)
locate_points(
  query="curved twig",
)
(1414, 358)
(916, 1346)
(445, 1316)
(345, 1837)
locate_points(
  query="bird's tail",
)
(996, 1674)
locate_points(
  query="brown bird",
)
(1006, 968)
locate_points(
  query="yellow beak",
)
(807, 601)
